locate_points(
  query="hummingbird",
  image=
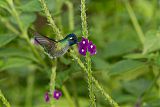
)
(55, 48)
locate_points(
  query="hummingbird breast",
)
(60, 52)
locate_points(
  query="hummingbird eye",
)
(71, 38)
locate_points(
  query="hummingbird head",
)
(72, 39)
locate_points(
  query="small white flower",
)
(91, 46)
(57, 94)
(84, 42)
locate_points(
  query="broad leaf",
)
(153, 103)
(100, 64)
(136, 87)
(124, 66)
(14, 63)
(16, 52)
(151, 42)
(118, 48)
(6, 38)
(122, 98)
(27, 20)
(31, 6)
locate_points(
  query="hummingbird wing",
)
(48, 44)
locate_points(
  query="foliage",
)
(126, 33)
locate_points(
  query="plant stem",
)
(88, 59)
(50, 20)
(135, 22)
(84, 19)
(151, 85)
(5, 102)
(148, 89)
(30, 86)
(14, 13)
(107, 97)
(90, 83)
(154, 16)
(52, 81)
(71, 15)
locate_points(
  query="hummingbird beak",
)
(77, 43)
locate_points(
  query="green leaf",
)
(122, 98)
(17, 52)
(124, 66)
(27, 20)
(100, 64)
(117, 48)
(14, 63)
(6, 38)
(153, 103)
(151, 42)
(136, 87)
(31, 6)
(34, 5)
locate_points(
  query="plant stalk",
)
(4, 100)
(135, 22)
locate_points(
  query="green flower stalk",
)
(99, 87)
(5, 102)
(88, 59)
(107, 97)
(52, 82)
(50, 20)
(84, 19)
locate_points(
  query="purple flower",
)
(57, 94)
(84, 45)
(92, 48)
(83, 50)
(47, 97)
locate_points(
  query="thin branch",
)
(135, 22)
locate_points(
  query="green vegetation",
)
(125, 71)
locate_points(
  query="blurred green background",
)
(127, 63)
